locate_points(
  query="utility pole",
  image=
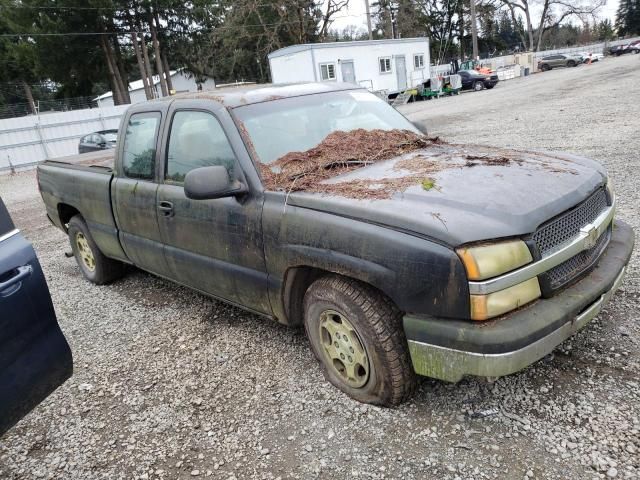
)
(366, 5)
(474, 29)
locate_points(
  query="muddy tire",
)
(357, 336)
(94, 265)
(477, 86)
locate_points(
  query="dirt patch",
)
(342, 152)
(473, 160)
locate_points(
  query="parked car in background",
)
(101, 140)
(559, 60)
(617, 50)
(594, 56)
(34, 355)
(473, 80)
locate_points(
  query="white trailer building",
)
(389, 65)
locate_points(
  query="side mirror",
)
(207, 183)
(421, 126)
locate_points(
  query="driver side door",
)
(214, 246)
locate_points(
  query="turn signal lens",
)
(484, 307)
(491, 260)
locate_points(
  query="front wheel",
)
(94, 265)
(356, 333)
(571, 63)
(477, 86)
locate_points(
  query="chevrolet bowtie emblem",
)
(591, 236)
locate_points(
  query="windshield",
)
(298, 124)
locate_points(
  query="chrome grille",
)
(570, 269)
(567, 226)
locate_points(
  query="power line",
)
(223, 27)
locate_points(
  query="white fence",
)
(26, 141)
(593, 47)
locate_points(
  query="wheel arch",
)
(298, 279)
(65, 213)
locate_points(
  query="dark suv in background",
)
(101, 140)
(559, 60)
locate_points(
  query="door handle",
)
(18, 274)
(166, 208)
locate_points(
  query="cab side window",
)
(139, 155)
(196, 140)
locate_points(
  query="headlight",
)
(491, 260)
(488, 306)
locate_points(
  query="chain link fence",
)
(43, 106)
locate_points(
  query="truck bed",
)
(81, 184)
(102, 160)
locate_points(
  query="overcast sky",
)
(355, 14)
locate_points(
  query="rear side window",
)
(139, 152)
(196, 140)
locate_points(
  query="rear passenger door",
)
(134, 192)
(34, 355)
(211, 245)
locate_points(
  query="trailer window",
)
(196, 140)
(327, 71)
(385, 64)
(418, 60)
(139, 151)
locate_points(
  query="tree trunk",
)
(461, 30)
(163, 57)
(368, 10)
(115, 87)
(121, 75)
(143, 71)
(474, 29)
(156, 54)
(147, 66)
(29, 94)
(543, 19)
(527, 15)
(167, 71)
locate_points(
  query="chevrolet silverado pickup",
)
(320, 205)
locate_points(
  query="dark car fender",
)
(418, 274)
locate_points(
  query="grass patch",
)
(428, 184)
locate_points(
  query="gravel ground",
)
(170, 384)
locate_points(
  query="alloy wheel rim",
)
(343, 349)
(86, 255)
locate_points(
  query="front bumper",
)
(451, 349)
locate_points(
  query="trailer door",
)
(401, 72)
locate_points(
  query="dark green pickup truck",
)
(321, 205)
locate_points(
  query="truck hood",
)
(478, 193)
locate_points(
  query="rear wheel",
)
(356, 333)
(94, 265)
(545, 67)
(478, 85)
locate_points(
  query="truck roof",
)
(245, 95)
